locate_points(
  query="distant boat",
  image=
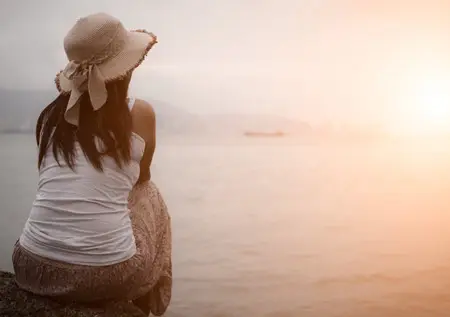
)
(275, 134)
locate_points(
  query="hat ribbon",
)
(86, 76)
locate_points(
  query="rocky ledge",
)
(15, 302)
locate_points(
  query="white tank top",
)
(82, 217)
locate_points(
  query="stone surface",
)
(15, 302)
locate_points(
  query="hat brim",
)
(138, 45)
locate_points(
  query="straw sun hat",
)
(100, 50)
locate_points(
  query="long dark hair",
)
(111, 124)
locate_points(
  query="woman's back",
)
(80, 215)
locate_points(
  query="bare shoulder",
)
(143, 109)
(143, 116)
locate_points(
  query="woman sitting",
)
(98, 229)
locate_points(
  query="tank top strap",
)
(131, 101)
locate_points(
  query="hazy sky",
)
(313, 59)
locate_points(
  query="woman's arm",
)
(144, 124)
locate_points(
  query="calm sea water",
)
(274, 228)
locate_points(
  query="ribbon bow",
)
(84, 76)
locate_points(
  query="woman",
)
(98, 229)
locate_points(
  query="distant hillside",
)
(19, 110)
(174, 120)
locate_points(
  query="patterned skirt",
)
(146, 277)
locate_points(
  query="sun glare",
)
(424, 108)
(433, 102)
